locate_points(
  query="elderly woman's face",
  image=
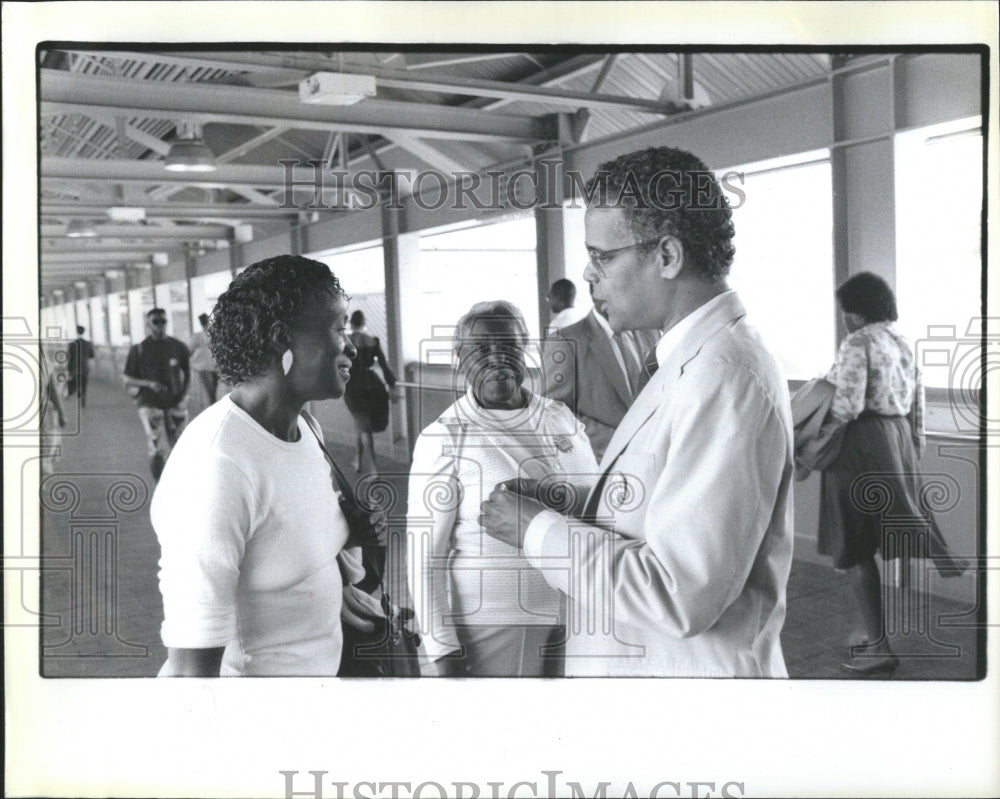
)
(492, 359)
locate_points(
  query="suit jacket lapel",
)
(645, 405)
(605, 357)
(654, 394)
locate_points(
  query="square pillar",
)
(863, 173)
(400, 258)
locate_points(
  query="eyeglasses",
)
(599, 259)
(158, 322)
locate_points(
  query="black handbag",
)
(390, 650)
(378, 405)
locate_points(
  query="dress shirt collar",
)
(668, 341)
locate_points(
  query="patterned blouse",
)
(875, 371)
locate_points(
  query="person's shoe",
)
(156, 465)
(885, 662)
(949, 566)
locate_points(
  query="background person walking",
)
(81, 353)
(880, 399)
(159, 367)
(366, 396)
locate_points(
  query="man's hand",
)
(556, 495)
(507, 514)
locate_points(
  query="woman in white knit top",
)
(483, 610)
(246, 514)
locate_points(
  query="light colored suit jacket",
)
(684, 573)
(580, 369)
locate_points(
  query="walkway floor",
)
(99, 584)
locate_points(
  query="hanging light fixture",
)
(79, 229)
(189, 153)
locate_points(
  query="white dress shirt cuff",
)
(541, 548)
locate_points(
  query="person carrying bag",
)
(818, 435)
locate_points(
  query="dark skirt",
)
(870, 496)
(368, 401)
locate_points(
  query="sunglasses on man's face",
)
(158, 322)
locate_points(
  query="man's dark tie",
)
(631, 357)
(649, 367)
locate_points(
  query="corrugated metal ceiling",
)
(101, 131)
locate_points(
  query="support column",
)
(129, 302)
(161, 296)
(81, 308)
(43, 313)
(863, 172)
(298, 236)
(190, 272)
(99, 322)
(51, 322)
(235, 257)
(116, 285)
(71, 304)
(136, 278)
(400, 255)
(550, 240)
(85, 291)
(161, 287)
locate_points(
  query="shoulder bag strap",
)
(342, 485)
(372, 557)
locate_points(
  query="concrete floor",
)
(95, 522)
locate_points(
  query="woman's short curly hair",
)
(667, 191)
(869, 296)
(282, 289)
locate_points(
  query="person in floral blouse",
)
(879, 397)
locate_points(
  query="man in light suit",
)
(676, 558)
(595, 370)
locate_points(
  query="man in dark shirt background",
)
(159, 367)
(81, 353)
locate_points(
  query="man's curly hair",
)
(281, 289)
(666, 191)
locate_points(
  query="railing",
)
(420, 387)
(943, 434)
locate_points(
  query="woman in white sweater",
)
(483, 610)
(246, 514)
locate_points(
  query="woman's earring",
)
(286, 362)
